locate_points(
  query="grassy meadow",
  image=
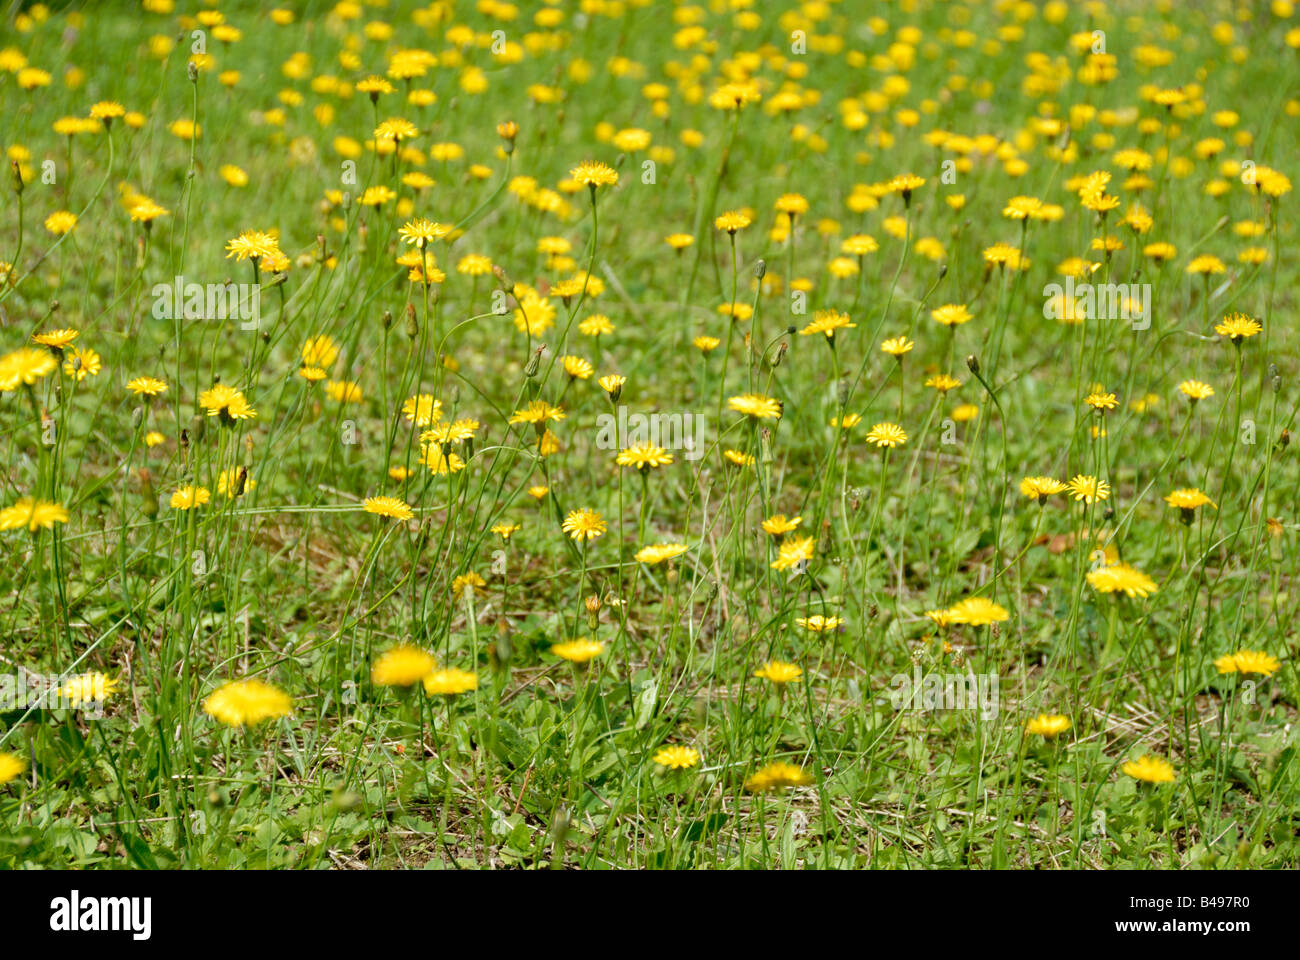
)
(646, 434)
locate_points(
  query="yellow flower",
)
(88, 687)
(584, 524)
(887, 435)
(777, 776)
(1248, 661)
(422, 409)
(11, 767)
(756, 405)
(60, 222)
(732, 221)
(402, 666)
(660, 552)
(1089, 489)
(245, 702)
(977, 612)
(827, 322)
(1122, 578)
(1040, 488)
(778, 523)
(593, 174)
(467, 581)
(390, 507)
(578, 651)
(1048, 725)
(1196, 390)
(189, 496)
(32, 514)
(147, 386)
(1149, 769)
(1101, 401)
(818, 623)
(677, 758)
(1188, 499)
(227, 403)
(449, 682)
(951, 314)
(24, 366)
(1238, 326)
(897, 346)
(794, 552)
(779, 672)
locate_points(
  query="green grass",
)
(550, 763)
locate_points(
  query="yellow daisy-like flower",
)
(450, 682)
(61, 222)
(577, 367)
(706, 344)
(756, 405)
(1189, 498)
(234, 482)
(242, 703)
(1205, 265)
(188, 497)
(1089, 489)
(793, 552)
(886, 435)
(779, 672)
(644, 457)
(402, 666)
(659, 552)
(1238, 326)
(1195, 390)
(593, 174)
(943, 382)
(778, 523)
(24, 366)
(252, 245)
(777, 776)
(319, 351)
(578, 651)
(227, 403)
(732, 221)
(32, 514)
(951, 314)
(584, 524)
(1101, 401)
(827, 322)
(1122, 578)
(897, 346)
(1048, 725)
(1149, 769)
(56, 339)
(422, 409)
(1040, 488)
(596, 325)
(146, 386)
(677, 757)
(1248, 661)
(11, 767)
(90, 687)
(977, 612)
(679, 241)
(390, 507)
(818, 623)
(467, 581)
(421, 232)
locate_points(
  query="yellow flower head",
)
(402, 666)
(242, 703)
